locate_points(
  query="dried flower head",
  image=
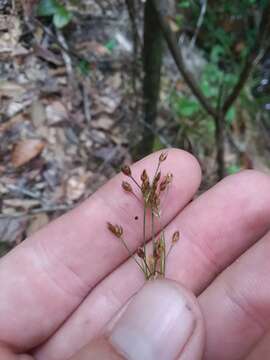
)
(157, 177)
(163, 156)
(126, 170)
(127, 187)
(141, 253)
(117, 230)
(175, 237)
(166, 182)
(144, 176)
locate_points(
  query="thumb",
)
(163, 321)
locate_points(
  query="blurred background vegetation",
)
(86, 85)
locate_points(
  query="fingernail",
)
(156, 324)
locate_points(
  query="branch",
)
(179, 61)
(199, 24)
(251, 60)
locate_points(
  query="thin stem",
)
(157, 169)
(153, 230)
(153, 240)
(135, 182)
(130, 254)
(144, 229)
(170, 249)
(163, 256)
(147, 268)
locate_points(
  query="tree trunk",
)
(220, 142)
(152, 62)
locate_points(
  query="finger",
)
(261, 350)
(8, 354)
(54, 270)
(215, 229)
(163, 321)
(237, 305)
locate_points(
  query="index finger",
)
(46, 277)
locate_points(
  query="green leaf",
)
(187, 107)
(61, 17)
(184, 4)
(157, 144)
(230, 116)
(216, 52)
(208, 89)
(111, 45)
(84, 67)
(47, 7)
(233, 169)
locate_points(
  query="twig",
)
(86, 103)
(162, 139)
(44, 209)
(18, 189)
(65, 53)
(251, 59)
(178, 58)
(199, 24)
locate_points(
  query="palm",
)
(59, 288)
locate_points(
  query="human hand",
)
(62, 286)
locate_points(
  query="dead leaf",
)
(103, 122)
(29, 7)
(12, 122)
(37, 222)
(25, 151)
(75, 187)
(11, 89)
(24, 204)
(9, 38)
(114, 81)
(93, 47)
(15, 107)
(56, 112)
(47, 55)
(38, 114)
(108, 104)
(12, 229)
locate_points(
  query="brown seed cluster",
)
(153, 265)
(175, 237)
(150, 191)
(117, 230)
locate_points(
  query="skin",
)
(61, 286)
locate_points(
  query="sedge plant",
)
(152, 262)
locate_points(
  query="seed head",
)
(162, 185)
(165, 182)
(157, 178)
(117, 230)
(126, 170)
(145, 182)
(127, 187)
(144, 176)
(163, 156)
(175, 237)
(145, 187)
(156, 253)
(159, 250)
(140, 253)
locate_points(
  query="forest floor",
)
(64, 131)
